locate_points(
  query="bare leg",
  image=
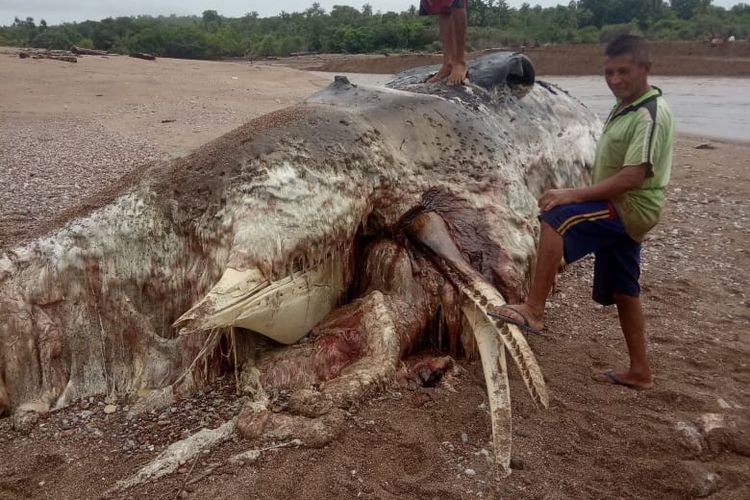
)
(632, 323)
(446, 36)
(547, 262)
(458, 32)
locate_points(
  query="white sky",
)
(57, 11)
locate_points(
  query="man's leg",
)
(446, 37)
(549, 254)
(617, 270)
(458, 36)
(632, 322)
(572, 230)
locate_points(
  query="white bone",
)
(283, 310)
(514, 341)
(492, 353)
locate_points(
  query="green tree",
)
(267, 46)
(211, 20)
(24, 31)
(611, 31)
(86, 43)
(488, 13)
(315, 10)
(491, 23)
(52, 39)
(620, 11)
(686, 9)
(224, 43)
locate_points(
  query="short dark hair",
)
(629, 44)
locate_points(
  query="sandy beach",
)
(70, 130)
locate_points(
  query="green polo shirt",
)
(640, 134)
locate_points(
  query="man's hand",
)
(629, 177)
(555, 197)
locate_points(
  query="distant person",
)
(452, 22)
(611, 217)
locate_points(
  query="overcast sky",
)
(57, 11)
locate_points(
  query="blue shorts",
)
(594, 227)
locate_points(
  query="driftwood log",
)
(71, 59)
(143, 55)
(46, 55)
(88, 52)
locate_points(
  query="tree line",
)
(346, 29)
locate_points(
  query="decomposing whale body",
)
(362, 222)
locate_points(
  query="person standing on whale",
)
(611, 217)
(452, 23)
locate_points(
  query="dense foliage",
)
(346, 29)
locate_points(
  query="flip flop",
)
(610, 377)
(523, 325)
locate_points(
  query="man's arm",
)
(629, 177)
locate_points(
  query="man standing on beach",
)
(611, 217)
(452, 22)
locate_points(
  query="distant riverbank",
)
(670, 59)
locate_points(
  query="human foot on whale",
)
(442, 74)
(457, 75)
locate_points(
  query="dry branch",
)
(57, 55)
(88, 52)
(143, 55)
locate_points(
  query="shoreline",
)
(669, 58)
(710, 139)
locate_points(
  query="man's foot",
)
(520, 315)
(625, 379)
(457, 75)
(444, 71)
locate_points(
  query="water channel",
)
(706, 106)
(717, 107)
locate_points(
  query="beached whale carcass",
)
(365, 215)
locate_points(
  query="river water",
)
(707, 106)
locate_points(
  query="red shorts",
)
(440, 7)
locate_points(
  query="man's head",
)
(626, 67)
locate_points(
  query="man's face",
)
(625, 78)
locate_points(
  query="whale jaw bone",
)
(492, 336)
(284, 310)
